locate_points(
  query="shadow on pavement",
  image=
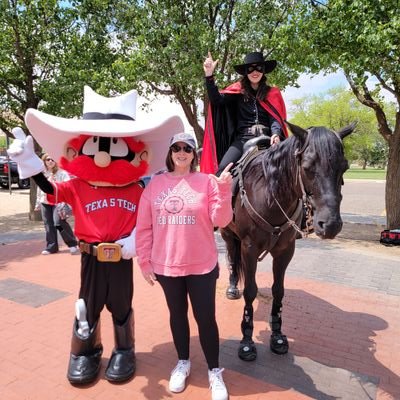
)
(18, 251)
(331, 355)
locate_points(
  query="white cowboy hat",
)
(107, 117)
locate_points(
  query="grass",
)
(369, 173)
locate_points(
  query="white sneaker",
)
(177, 382)
(45, 252)
(73, 250)
(217, 385)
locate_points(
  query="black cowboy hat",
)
(255, 58)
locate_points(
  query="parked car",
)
(5, 166)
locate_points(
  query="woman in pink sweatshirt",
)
(175, 246)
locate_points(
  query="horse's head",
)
(321, 164)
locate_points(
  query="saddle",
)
(250, 150)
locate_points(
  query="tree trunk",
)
(33, 215)
(392, 193)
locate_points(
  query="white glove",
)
(128, 245)
(22, 152)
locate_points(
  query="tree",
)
(338, 107)
(48, 51)
(379, 154)
(164, 44)
(361, 37)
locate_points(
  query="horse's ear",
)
(297, 131)
(347, 130)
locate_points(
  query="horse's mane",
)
(281, 165)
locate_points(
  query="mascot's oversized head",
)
(107, 147)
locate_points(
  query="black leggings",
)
(201, 291)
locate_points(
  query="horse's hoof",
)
(279, 344)
(232, 293)
(247, 351)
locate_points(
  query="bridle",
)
(303, 204)
(305, 196)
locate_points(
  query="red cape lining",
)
(209, 161)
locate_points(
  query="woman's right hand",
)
(209, 65)
(149, 277)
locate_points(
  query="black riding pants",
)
(233, 155)
(201, 291)
(234, 152)
(109, 284)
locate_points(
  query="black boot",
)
(122, 364)
(85, 358)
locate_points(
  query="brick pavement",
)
(343, 336)
(341, 315)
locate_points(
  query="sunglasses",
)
(258, 68)
(176, 149)
(49, 159)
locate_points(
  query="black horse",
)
(307, 168)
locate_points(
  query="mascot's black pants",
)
(109, 284)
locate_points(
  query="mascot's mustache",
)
(118, 173)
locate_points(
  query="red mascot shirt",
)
(102, 214)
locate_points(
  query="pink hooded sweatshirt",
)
(175, 224)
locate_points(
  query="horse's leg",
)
(247, 349)
(278, 342)
(234, 259)
(232, 291)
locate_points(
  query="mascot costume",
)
(106, 152)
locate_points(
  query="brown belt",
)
(106, 252)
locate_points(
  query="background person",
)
(52, 213)
(244, 110)
(175, 246)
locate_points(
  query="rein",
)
(305, 197)
(275, 231)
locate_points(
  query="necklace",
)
(256, 111)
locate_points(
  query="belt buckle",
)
(108, 252)
(257, 129)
